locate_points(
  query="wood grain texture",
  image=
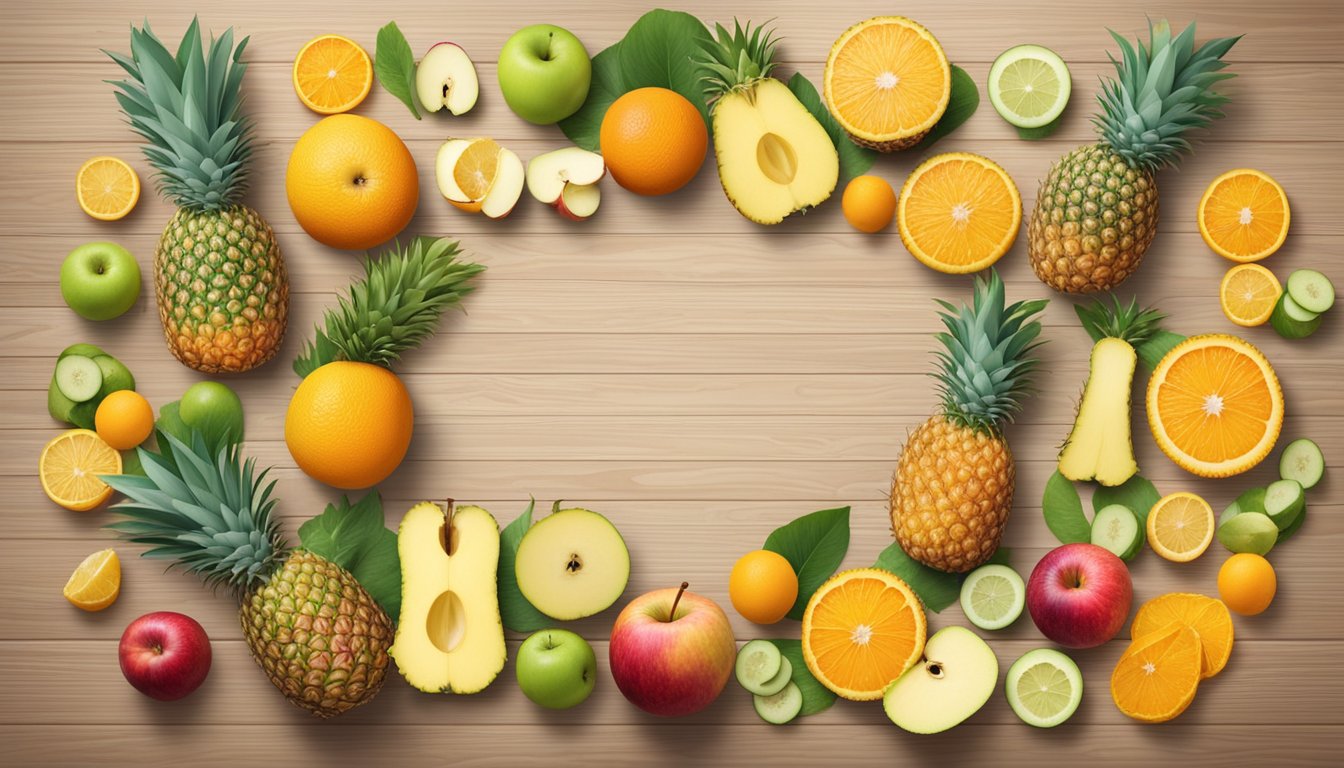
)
(697, 378)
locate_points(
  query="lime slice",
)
(1029, 86)
(1044, 687)
(993, 596)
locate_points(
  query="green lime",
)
(1029, 86)
(1044, 687)
(993, 596)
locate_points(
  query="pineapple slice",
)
(1101, 446)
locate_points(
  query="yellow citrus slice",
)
(96, 582)
(70, 465)
(1243, 215)
(1248, 294)
(1215, 405)
(332, 74)
(861, 630)
(959, 212)
(1206, 615)
(107, 188)
(1180, 527)
(887, 82)
(477, 168)
(1157, 677)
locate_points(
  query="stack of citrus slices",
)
(1179, 639)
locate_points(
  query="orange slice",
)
(107, 188)
(477, 168)
(1243, 215)
(861, 630)
(1248, 294)
(70, 465)
(96, 582)
(1214, 405)
(1180, 527)
(887, 82)
(1206, 615)
(1157, 677)
(332, 74)
(959, 212)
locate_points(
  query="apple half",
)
(571, 564)
(953, 681)
(501, 192)
(447, 78)
(567, 180)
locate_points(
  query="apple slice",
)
(447, 78)
(445, 163)
(579, 201)
(506, 188)
(566, 179)
(952, 682)
(573, 563)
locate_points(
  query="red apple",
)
(165, 655)
(672, 651)
(1079, 595)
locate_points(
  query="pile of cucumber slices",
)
(1307, 296)
(1262, 517)
(768, 675)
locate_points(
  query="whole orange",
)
(869, 203)
(653, 140)
(763, 586)
(1247, 583)
(349, 424)
(124, 419)
(352, 182)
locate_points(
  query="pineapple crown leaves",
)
(210, 512)
(1127, 322)
(189, 108)
(986, 360)
(1160, 92)
(393, 308)
(735, 60)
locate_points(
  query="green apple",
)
(952, 682)
(556, 668)
(544, 72)
(100, 281)
(213, 409)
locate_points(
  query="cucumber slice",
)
(1284, 323)
(1312, 290)
(1252, 532)
(1116, 528)
(776, 684)
(78, 377)
(1297, 311)
(993, 596)
(1029, 86)
(1284, 500)
(757, 663)
(1044, 687)
(781, 707)
(1302, 461)
(1286, 533)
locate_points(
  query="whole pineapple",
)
(953, 486)
(320, 637)
(218, 275)
(1096, 213)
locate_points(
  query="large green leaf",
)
(518, 614)
(816, 697)
(660, 50)
(854, 160)
(1136, 493)
(1153, 350)
(962, 103)
(814, 545)
(394, 64)
(936, 589)
(355, 538)
(1063, 510)
(584, 127)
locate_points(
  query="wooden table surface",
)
(697, 378)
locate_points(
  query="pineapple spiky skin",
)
(1095, 217)
(222, 290)
(951, 495)
(318, 635)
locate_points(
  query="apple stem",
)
(672, 615)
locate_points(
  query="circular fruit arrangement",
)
(654, 141)
(349, 424)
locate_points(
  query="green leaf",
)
(1001, 556)
(170, 422)
(518, 614)
(659, 51)
(816, 697)
(1153, 350)
(130, 463)
(583, 127)
(814, 545)
(854, 160)
(394, 63)
(1137, 493)
(1063, 510)
(963, 102)
(936, 589)
(355, 538)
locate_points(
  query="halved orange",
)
(1243, 215)
(959, 212)
(1180, 526)
(1157, 677)
(70, 465)
(1215, 405)
(861, 630)
(1248, 294)
(1206, 615)
(107, 188)
(332, 74)
(96, 582)
(887, 82)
